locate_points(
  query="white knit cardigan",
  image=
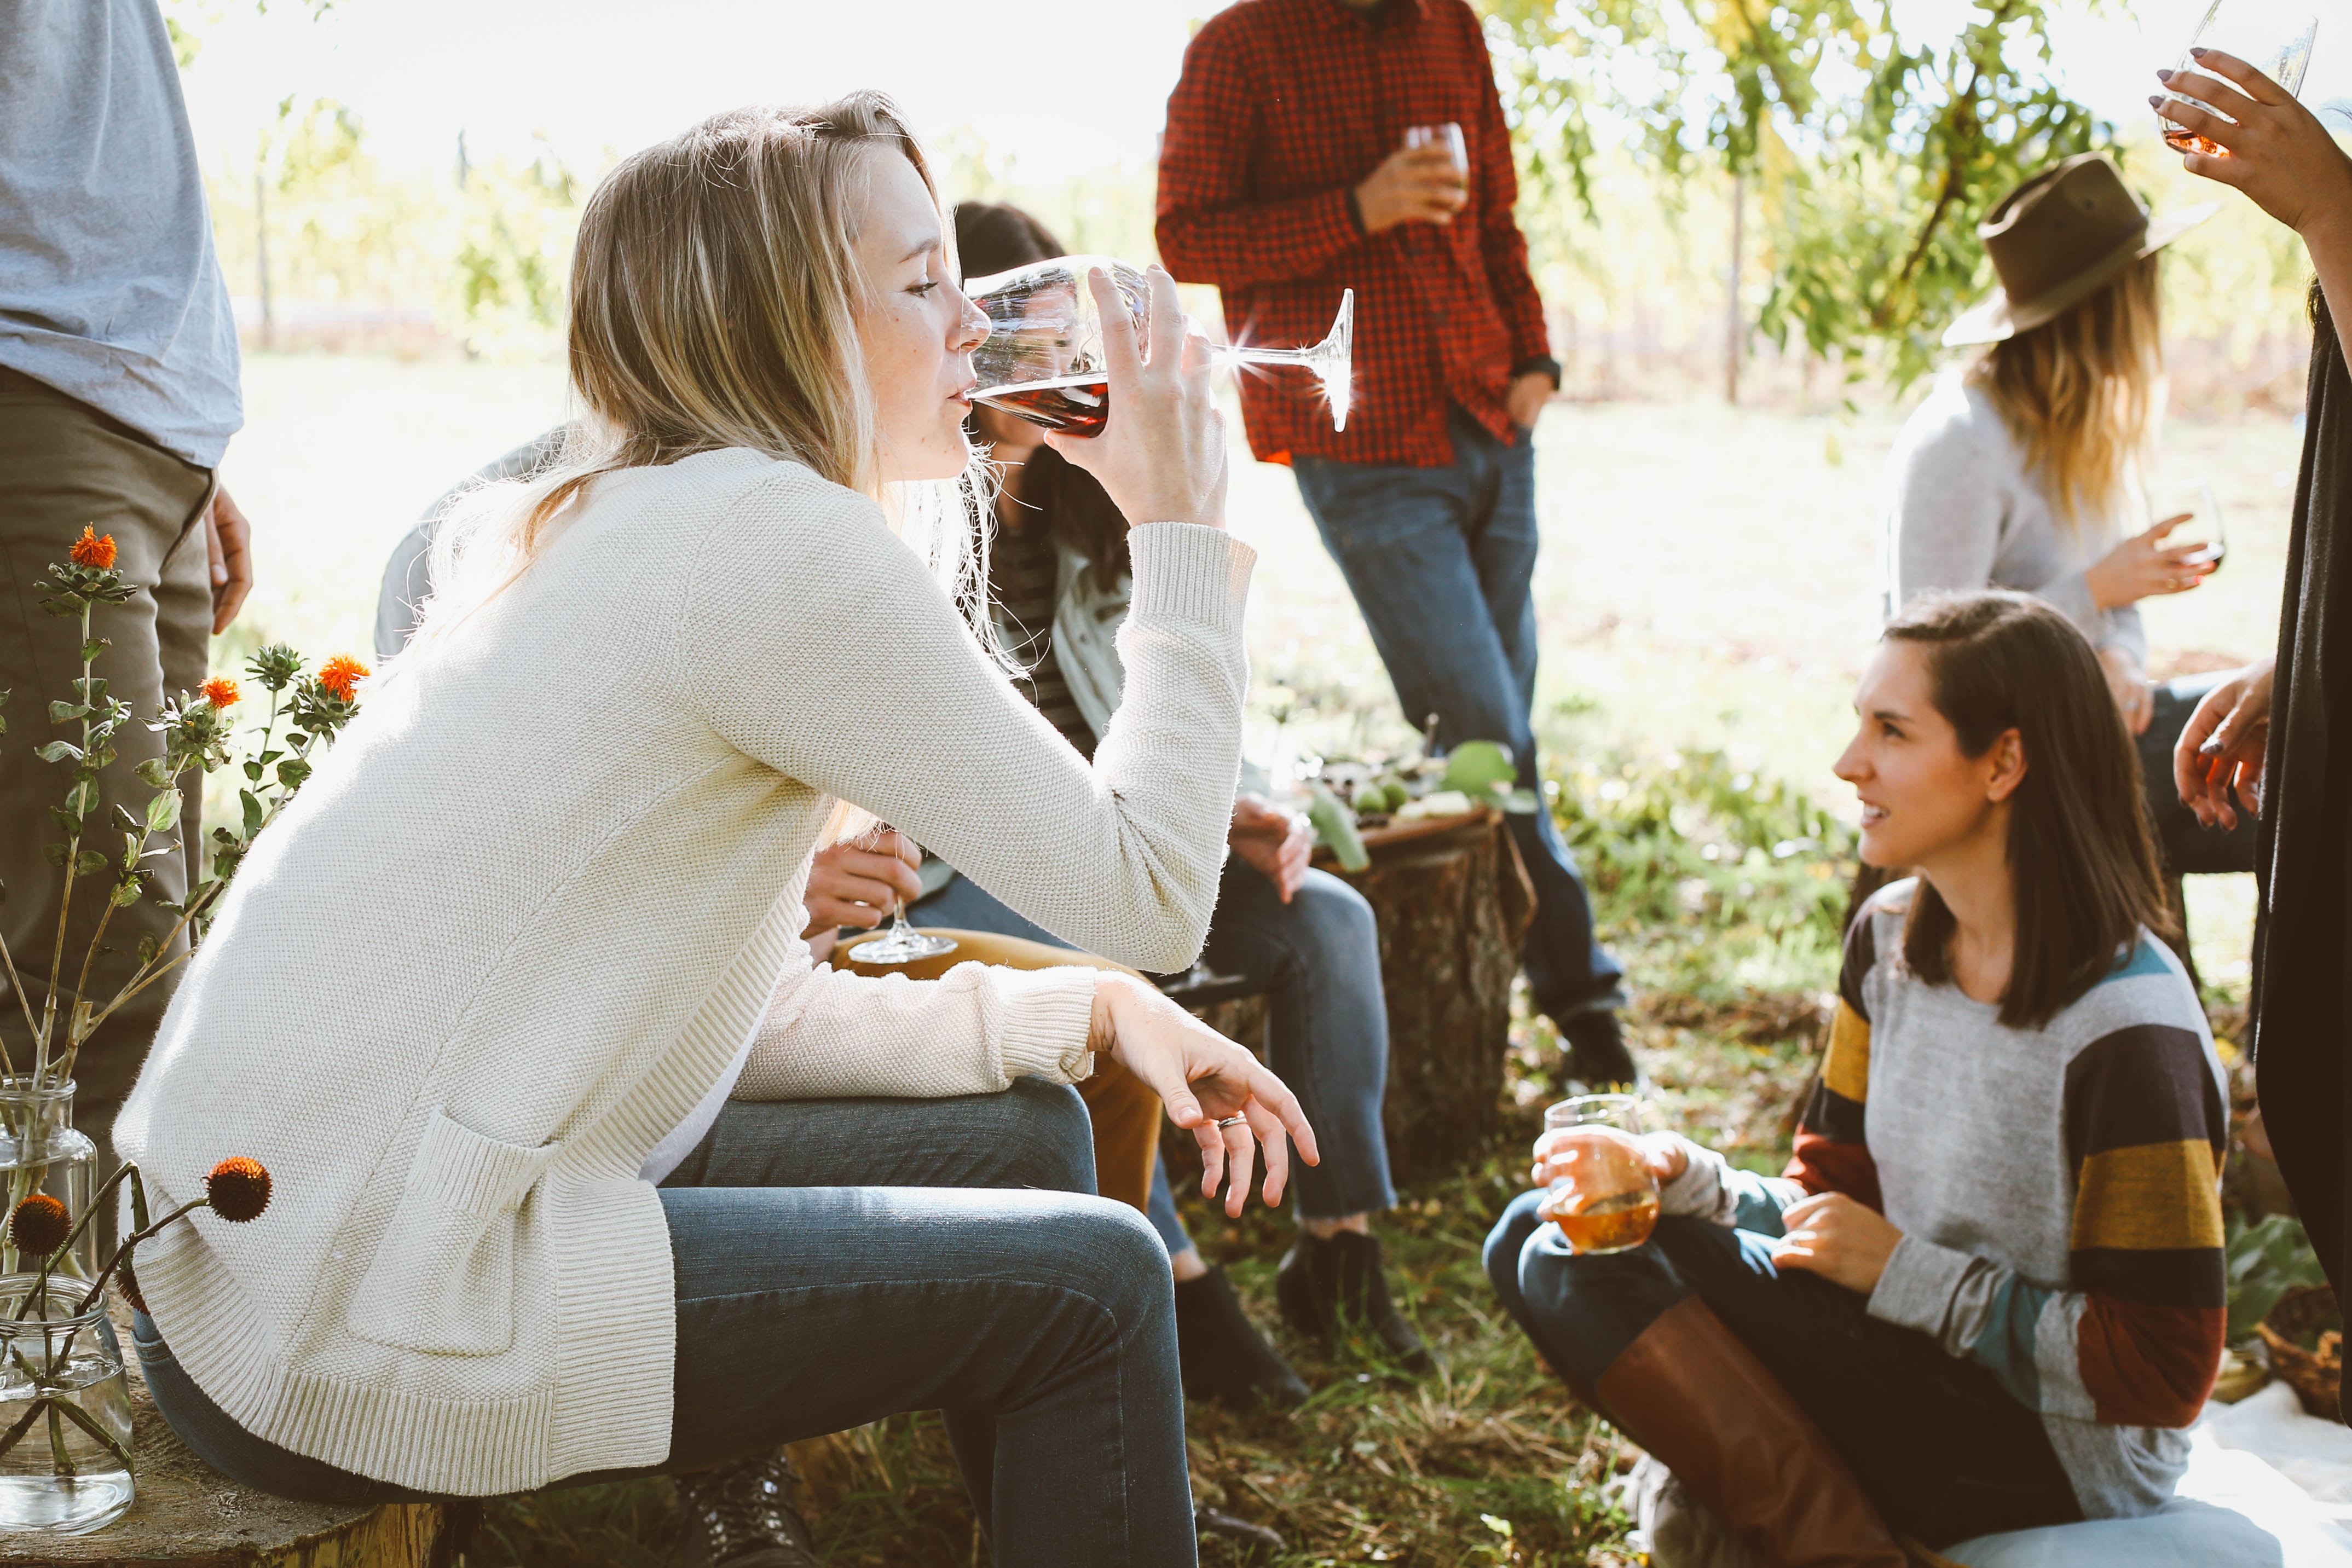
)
(526, 913)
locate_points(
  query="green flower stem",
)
(133, 1239)
(16, 1434)
(82, 1419)
(61, 1456)
(73, 858)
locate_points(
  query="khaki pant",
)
(64, 465)
(1125, 1111)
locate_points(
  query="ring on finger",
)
(1233, 1121)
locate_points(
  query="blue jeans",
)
(1939, 1447)
(2184, 844)
(1319, 959)
(1442, 562)
(833, 1267)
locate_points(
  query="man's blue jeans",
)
(1319, 959)
(833, 1267)
(1442, 562)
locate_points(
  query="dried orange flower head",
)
(221, 692)
(128, 1283)
(238, 1187)
(39, 1226)
(342, 675)
(93, 549)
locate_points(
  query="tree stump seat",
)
(188, 1513)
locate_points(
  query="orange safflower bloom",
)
(220, 691)
(342, 675)
(93, 549)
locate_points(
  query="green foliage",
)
(1873, 158)
(1727, 881)
(2261, 1262)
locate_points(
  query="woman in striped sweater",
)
(1988, 1290)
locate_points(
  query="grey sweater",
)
(1964, 513)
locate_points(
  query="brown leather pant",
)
(63, 464)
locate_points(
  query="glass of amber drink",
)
(1603, 1195)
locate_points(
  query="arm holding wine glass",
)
(2281, 155)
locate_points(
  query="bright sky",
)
(1066, 87)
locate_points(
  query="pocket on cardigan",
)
(442, 1281)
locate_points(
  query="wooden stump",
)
(188, 1513)
(1454, 903)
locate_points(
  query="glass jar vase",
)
(41, 1152)
(65, 1412)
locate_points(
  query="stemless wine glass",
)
(2192, 499)
(1044, 357)
(1607, 1200)
(1449, 135)
(902, 944)
(2274, 37)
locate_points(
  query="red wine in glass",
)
(1075, 405)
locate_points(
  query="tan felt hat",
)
(2057, 238)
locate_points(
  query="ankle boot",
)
(1221, 1354)
(743, 1514)
(1692, 1393)
(1328, 1286)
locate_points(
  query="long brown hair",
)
(2081, 858)
(714, 287)
(997, 237)
(2079, 393)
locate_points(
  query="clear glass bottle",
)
(65, 1413)
(41, 1152)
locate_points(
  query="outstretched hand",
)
(1204, 1078)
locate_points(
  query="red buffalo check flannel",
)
(1283, 108)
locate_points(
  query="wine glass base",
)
(895, 948)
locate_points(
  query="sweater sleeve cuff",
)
(1046, 1013)
(1700, 1191)
(1185, 571)
(1917, 1290)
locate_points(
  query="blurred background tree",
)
(1869, 159)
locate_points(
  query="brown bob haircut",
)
(2080, 854)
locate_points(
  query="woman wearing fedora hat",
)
(2269, 738)
(2021, 471)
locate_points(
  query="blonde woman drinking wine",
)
(581, 1166)
(2027, 469)
(1988, 1290)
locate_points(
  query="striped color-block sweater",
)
(2057, 1188)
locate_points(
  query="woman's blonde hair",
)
(2080, 393)
(713, 292)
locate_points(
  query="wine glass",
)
(2274, 37)
(902, 944)
(1449, 136)
(1044, 357)
(2193, 500)
(1608, 1200)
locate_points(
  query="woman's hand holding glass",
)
(1565, 1154)
(2278, 152)
(1162, 456)
(1213, 1088)
(2143, 566)
(1845, 1242)
(858, 883)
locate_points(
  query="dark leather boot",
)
(1692, 1393)
(743, 1514)
(1221, 1354)
(1596, 1054)
(1328, 1287)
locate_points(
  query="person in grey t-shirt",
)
(117, 394)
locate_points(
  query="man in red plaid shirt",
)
(1284, 180)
